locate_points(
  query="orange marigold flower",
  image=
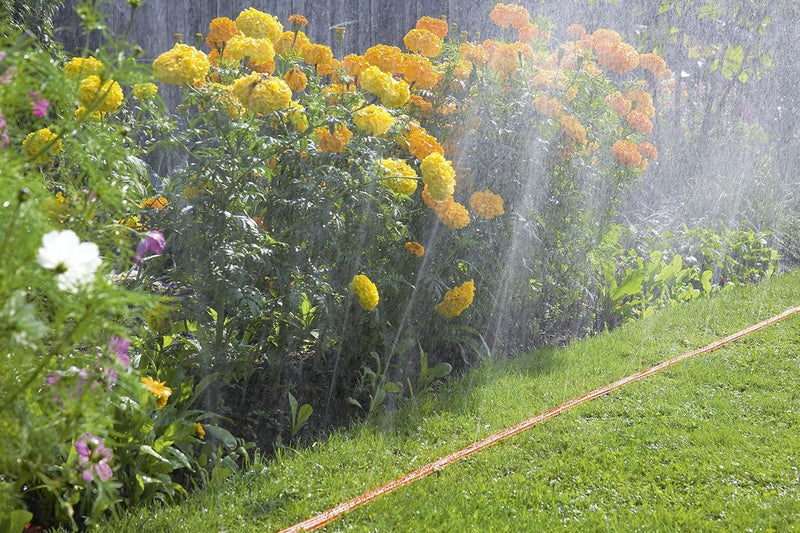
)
(436, 26)
(452, 214)
(423, 42)
(619, 57)
(576, 31)
(475, 54)
(648, 150)
(330, 68)
(627, 153)
(419, 106)
(642, 101)
(291, 40)
(154, 203)
(333, 142)
(510, 16)
(639, 122)
(456, 300)
(486, 204)
(618, 104)
(354, 65)
(158, 389)
(418, 70)
(548, 106)
(504, 59)
(655, 64)
(528, 32)
(462, 70)
(313, 54)
(421, 143)
(296, 79)
(220, 30)
(297, 22)
(415, 248)
(573, 128)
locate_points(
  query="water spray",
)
(326, 517)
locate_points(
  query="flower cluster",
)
(104, 97)
(456, 300)
(94, 456)
(438, 176)
(486, 204)
(158, 389)
(373, 119)
(42, 145)
(182, 65)
(335, 141)
(366, 291)
(392, 92)
(401, 178)
(261, 93)
(626, 153)
(259, 25)
(423, 42)
(510, 16)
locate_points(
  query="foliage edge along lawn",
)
(710, 444)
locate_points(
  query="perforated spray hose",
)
(326, 517)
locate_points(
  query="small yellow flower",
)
(198, 428)
(366, 291)
(456, 300)
(400, 177)
(145, 91)
(158, 389)
(92, 90)
(36, 141)
(80, 67)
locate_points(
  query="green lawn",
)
(710, 444)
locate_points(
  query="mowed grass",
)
(711, 444)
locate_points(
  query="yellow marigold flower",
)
(387, 58)
(79, 67)
(290, 40)
(158, 389)
(618, 104)
(421, 143)
(198, 428)
(258, 50)
(462, 70)
(392, 92)
(419, 71)
(297, 22)
(330, 68)
(182, 65)
(415, 248)
(154, 203)
(366, 291)
(106, 96)
(333, 142)
(474, 53)
(259, 25)
(456, 300)
(145, 91)
(222, 97)
(373, 119)
(573, 128)
(510, 15)
(314, 54)
(486, 204)
(452, 214)
(354, 65)
(436, 26)
(220, 31)
(294, 114)
(423, 42)
(36, 141)
(401, 178)
(627, 153)
(296, 79)
(438, 174)
(261, 93)
(94, 116)
(639, 122)
(648, 150)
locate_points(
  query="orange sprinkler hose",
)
(326, 517)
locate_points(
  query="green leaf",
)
(15, 521)
(632, 284)
(732, 62)
(304, 414)
(221, 434)
(441, 370)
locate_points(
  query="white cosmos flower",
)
(75, 262)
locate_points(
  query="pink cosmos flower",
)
(40, 105)
(94, 457)
(152, 242)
